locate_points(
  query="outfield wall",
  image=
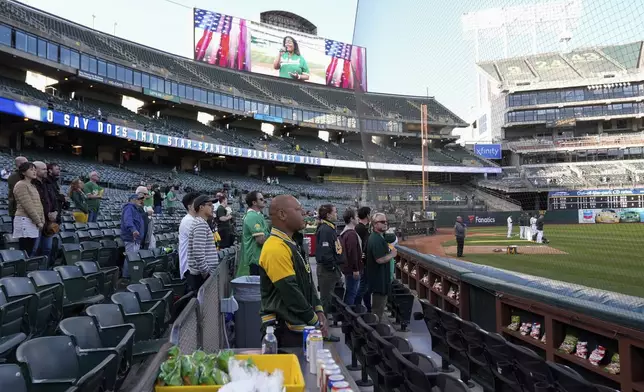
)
(495, 218)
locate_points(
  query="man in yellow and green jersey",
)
(289, 297)
(254, 234)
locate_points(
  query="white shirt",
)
(184, 231)
(509, 220)
(533, 221)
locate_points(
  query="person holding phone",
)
(289, 62)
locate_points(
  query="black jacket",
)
(540, 223)
(55, 198)
(328, 250)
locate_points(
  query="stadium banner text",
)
(235, 43)
(598, 192)
(89, 124)
(100, 79)
(266, 117)
(488, 151)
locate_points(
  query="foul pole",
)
(423, 146)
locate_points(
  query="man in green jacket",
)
(289, 297)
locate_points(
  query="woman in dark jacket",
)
(80, 201)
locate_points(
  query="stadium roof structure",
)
(295, 22)
(184, 70)
(603, 64)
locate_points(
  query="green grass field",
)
(609, 257)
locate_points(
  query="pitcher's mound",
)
(486, 250)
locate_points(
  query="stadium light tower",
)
(560, 15)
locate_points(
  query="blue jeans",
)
(157, 209)
(364, 294)
(45, 246)
(351, 286)
(91, 216)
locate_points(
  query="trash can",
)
(247, 319)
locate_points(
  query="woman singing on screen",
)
(289, 61)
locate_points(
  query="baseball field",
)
(605, 256)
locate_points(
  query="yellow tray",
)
(287, 363)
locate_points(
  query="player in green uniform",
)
(254, 233)
(289, 61)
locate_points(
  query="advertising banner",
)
(91, 124)
(244, 45)
(611, 215)
(488, 151)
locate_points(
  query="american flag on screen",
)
(340, 52)
(337, 49)
(212, 22)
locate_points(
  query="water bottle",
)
(269, 342)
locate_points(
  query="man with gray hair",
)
(94, 195)
(459, 233)
(379, 255)
(12, 180)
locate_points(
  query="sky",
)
(415, 47)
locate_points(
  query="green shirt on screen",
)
(92, 188)
(292, 63)
(378, 275)
(254, 225)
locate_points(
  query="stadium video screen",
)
(244, 45)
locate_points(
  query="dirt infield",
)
(428, 244)
(501, 250)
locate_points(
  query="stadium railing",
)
(490, 297)
(199, 326)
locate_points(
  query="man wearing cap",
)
(202, 251)
(148, 242)
(132, 227)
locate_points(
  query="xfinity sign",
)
(488, 151)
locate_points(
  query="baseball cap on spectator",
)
(201, 200)
(133, 196)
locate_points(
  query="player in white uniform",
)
(533, 227)
(509, 226)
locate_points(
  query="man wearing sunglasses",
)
(254, 233)
(132, 227)
(379, 255)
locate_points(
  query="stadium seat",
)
(14, 325)
(107, 277)
(117, 340)
(178, 286)
(87, 371)
(12, 263)
(111, 315)
(71, 253)
(79, 288)
(42, 317)
(9, 241)
(68, 237)
(131, 305)
(90, 250)
(12, 379)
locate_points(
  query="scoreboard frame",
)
(596, 198)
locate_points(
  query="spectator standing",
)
(328, 255)
(362, 228)
(289, 298)
(53, 186)
(379, 255)
(158, 199)
(202, 251)
(224, 226)
(94, 195)
(184, 230)
(148, 242)
(12, 181)
(148, 203)
(459, 233)
(29, 217)
(170, 200)
(80, 201)
(254, 234)
(49, 202)
(132, 227)
(352, 247)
